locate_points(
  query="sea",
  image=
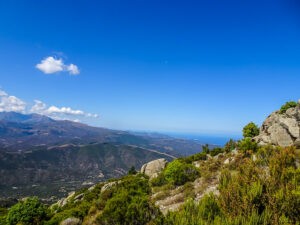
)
(219, 140)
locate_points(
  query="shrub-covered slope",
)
(242, 183)
(254, 186)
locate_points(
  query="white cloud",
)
(58, 112)
(38, 107)
(64, 110)
(50, 65)
(73, 69)
(11, 103)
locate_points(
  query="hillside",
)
(58, 170)
(46, 157)
(23, 132)
(242, 183)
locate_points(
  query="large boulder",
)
(281, 129)
(153, 168)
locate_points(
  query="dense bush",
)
(247, 144)
(178, 172)
(286, 106)
(250, 130)
(28, 212)
(130, 204)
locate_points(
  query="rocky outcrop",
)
(62, 202)
(153, 168)
(281, 129)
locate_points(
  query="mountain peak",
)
(17, 117)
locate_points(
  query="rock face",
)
(281, 129)
(153, 168)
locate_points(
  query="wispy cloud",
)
(50, 65)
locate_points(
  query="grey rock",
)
(153, 168)
(279, 135)
(291, 112)
(229, 160)
(62, 202)
(79, 197)
(220, 155)
(291, 125)
(109, 185)
(71, 221)
(234, 151)
(281, 129)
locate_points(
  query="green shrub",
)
(125, 209)
(178, 172)
(286, 106)
(129, 204)
(3, 220)
(158, 181)
(247, 144)
(132, 171)
(250, 130)
(229, 146)
(78, 211)
(28, 212)
(216, 151)
(206, 212)
(196, 157)
(205, 149)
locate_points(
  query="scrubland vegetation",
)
(260, 187)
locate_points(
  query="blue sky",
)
(183, 66)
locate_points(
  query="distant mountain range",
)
(59, 155)
(20, 133)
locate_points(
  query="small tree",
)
(28, 212)
(132, 171)
(205, 149)
(250, 130)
